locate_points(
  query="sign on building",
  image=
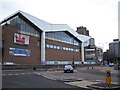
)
(21, 39)
(19, 52)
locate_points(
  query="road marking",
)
(22, 73)
(4, 75)
(16, 74)
(82, 84)
(10, 74)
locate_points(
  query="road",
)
(28, 79)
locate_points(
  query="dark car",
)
(68, 68)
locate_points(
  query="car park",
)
(68, 68)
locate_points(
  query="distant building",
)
(89, 45)
(82, 30)
(114, 51)
(0, 45)
(119, 20)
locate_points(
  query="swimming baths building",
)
(29, 40)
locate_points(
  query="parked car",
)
(9, 63)
(111, 64)
(68, 68)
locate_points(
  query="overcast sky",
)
(100, 17)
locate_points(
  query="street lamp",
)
(73, 62)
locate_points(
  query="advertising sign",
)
(19, 52)
(21, 39)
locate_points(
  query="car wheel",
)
(72, 71)
(65, 71)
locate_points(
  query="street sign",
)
(108, 77)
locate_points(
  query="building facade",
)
(29, 40)
(114, 51)
(82, 30)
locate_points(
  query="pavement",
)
(80, 79)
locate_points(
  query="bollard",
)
(108, 77)
(34, 68)
(87, 67)
(92, 67)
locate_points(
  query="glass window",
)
(51, 46)
(71, 49)
(61, 36)
(58, 47)
(47, 45)
(23, 27)
(64, 48)
(77, 50)
(55, 47)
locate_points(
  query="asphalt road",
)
(27, 79)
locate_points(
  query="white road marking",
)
(22, 73)
(82, 84)
(16, 74)
(4, 75)
(10, 74)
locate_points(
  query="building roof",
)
(48, 27)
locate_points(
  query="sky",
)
(100, 17)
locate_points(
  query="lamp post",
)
(73, 62)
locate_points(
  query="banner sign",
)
(19, 52)
(21, 39)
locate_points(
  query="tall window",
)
(62, 37)
(23, 27)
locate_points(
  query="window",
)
(62, 37)
(64, 48)
(76, 50)
(47, 45)
(71, 49)
(23, 27)
(55, 47)
(51, 46)
(58, 47)
(67, 49)
(38, 43)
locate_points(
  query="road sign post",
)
(108, 77)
